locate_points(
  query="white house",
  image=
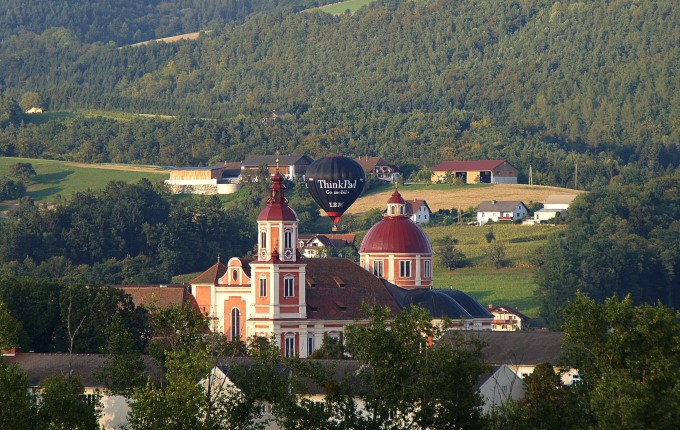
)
(506, 318)
(495, 211)
(420, 211)
(554, 204)
(318, 245)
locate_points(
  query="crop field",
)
(446, 196)
(56, 178)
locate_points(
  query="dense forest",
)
(128, 21)
(536, 82)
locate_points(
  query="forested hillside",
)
(129, 21)
(536, 82)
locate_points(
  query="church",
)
(298, 300)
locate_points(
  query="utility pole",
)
(531, 176)
(576, 176)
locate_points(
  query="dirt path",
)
(462, 198)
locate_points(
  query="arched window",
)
(235, 324)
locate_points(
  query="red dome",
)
(277, 204)
(277, 213)
(397, 235)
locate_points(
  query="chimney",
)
(490, 307)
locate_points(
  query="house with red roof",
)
(297, 300)
(476, 172)
(378, 167)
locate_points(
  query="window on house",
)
(263, 287)
(405, 268)
(288, 289)
(290, 346)
(427, 269)
(288, 239)
(378, 268)
(234, 275)
(310, 344)
(235, 324)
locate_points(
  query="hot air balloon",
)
(335, 182)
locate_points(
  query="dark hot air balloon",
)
(335, 182)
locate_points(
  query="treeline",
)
(126, 21)
(534, 82)
(122, 234)
(620, 240)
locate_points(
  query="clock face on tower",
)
(263, 254)
(288, 254)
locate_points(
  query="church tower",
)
(278, 274)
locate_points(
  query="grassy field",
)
(341, 7)
(62, 178)
(90, 113)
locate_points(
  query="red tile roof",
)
(159, 296)
(467, 166)
(327, 299)
(212, 275)
(415, 205)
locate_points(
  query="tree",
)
(22, 171)
(331, 349)
(64, 406)
(435, 381)
(124, 368)
(10, 329)
(627, 358)
(11, 190)
(18, 409)
(448, 255)
(495, 254)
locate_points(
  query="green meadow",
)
(57, 178)
(513, 285)
(342, 7)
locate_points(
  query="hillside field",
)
(446, 196)
(59, 178)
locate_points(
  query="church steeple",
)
(396, 205)
(277, 224)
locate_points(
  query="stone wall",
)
(207, 189)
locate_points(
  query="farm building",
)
(290, 166)
(476, 172)
(219, 179)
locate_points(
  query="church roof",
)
(337, 287)
(453, 304)
(212, 275)
(397, 235)
(159, 296)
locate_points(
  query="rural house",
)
(317, 245)
(496, 211)
(476, 172)
(506, 318)
(420, 211)
(554, 204)
(379, 168)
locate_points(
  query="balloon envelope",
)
(334, 183)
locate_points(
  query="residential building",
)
(496, 211)
(378, 167)
(506, 318)
(321, 245)
(40, 367)
(420, 211)
(476, 172)
(553, 205)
